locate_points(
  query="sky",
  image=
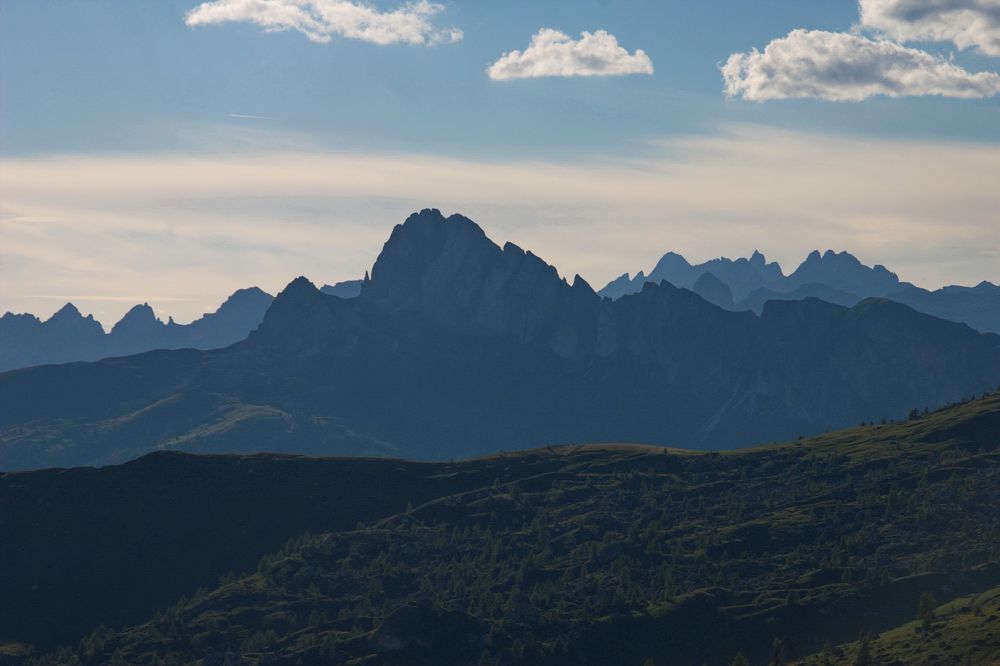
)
(173, 152)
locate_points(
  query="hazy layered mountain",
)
(573, 555)
(977, 306)
(458, 347)
(67, 336)
(831, 276)
(345, 289)
(844, 272)
(741, 275)
(714, 290)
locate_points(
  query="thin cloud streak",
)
(199, 227)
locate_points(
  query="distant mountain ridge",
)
(345, 289)
(741, 275)
(458, 347)
(835, 277)
(66, 336)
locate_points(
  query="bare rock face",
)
(448, 270)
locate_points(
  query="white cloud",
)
(843, 67)
(553, 53)
(965, 23)
(319, 20)
(200, 226)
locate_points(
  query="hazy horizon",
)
(174, 154)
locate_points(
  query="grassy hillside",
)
(584, 555)
(966, 630)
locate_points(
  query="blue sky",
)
(120, 83)
(118, 75)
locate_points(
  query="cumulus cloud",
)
(965, 23)
(320, 20)
(554, 53)
(844, 67)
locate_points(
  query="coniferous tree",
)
(925, 611)
(864, 656)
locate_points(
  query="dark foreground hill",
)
(579, 554)
(459, 347)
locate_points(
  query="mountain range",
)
(835, 277)
(457, 347)
(26, 340)
(66, 336)
(737, 285)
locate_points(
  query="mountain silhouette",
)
(345, 289)
(714, 290)
(67, 336)
(835, 277)
(458, 347)
(741, 275)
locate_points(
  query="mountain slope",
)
(961, 631)
(458, 347)
(579, 554)
(67, 336)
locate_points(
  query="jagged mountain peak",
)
(138, 322)
(843, 271)
(298, 289)
(580, 283)
(68, 310)
(432, 263)
(248, 299)
(69, 317)
(668, 262)
(299, 300)
(247, 294)
(141, 310)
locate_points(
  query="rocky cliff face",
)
(448, 270)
